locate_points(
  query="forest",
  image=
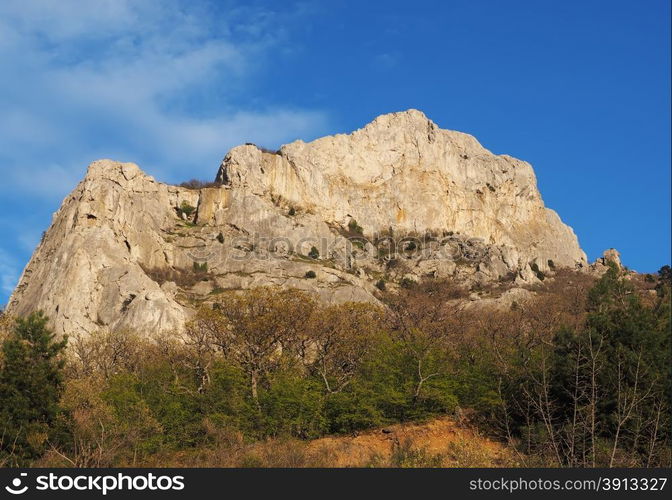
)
(577, 376)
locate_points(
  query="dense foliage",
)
(577, 376)
(31, 380)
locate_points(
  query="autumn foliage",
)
(577, 375)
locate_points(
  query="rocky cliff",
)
(397, 200)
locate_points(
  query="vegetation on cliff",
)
(577, 376)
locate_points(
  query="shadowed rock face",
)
(120, 252)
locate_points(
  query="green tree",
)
(31, 380)
(610, 380)
(636, 364)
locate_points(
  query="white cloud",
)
(70, 18)
(386, 61)
(158, 82)
(116, 78)
(9, 273)
(46, 180)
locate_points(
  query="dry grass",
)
(438, 443)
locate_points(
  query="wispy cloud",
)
(162, 83)
(9, 274)
(158, 80)
(385, 61)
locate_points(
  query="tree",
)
(198, 338)
(423, 326)
(256, 327)
(341, 336)
(636, 373)
(665, 274)
(31, 380)
(104, 426)
(6, 323)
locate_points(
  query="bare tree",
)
(628, 397)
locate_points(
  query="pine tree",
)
(31, 380)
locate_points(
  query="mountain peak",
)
(125, 251)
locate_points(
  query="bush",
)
(354, 227)
(407, 283)
(293, 406)
(220, 238)
(197, 184)
(380, 285)
(393, 263)
(535, 269)
(314, 253)
(292, 212)
(200, 268)
(186, 209)
(311, 275)
(275, 363)
(410, 246)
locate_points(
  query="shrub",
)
(273, 363)
(292, 212)
(392, 263)
(311, 275)
(293, 406)
(200, 268)
(410, 246)
(314, 253)
(380, 285)
(220, 238)
(407, 282)
(197, 184)
(535, 269)
(186, 209)
(354, 227)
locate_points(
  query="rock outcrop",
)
(400, 199)
(609, 256)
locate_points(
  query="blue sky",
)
(580, 89)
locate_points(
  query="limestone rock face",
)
(86, 273)
(403, 172)
(612, 255)
(399, 199)
(609, 256)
